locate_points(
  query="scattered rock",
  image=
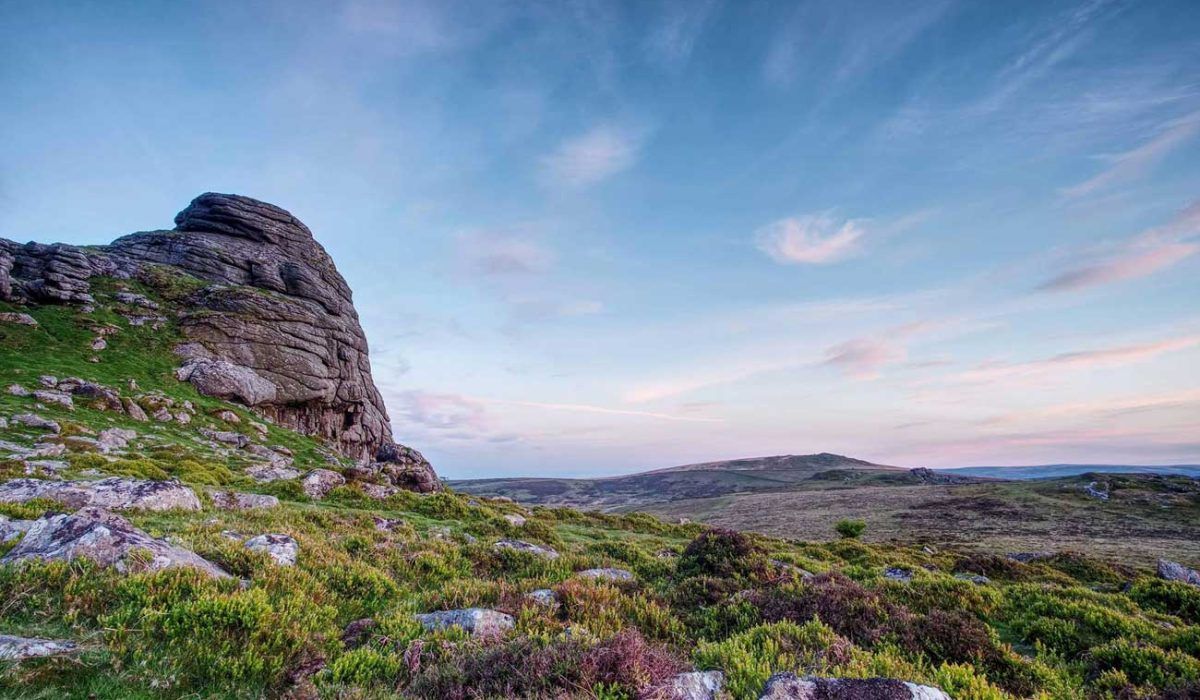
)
(543, 596)
(134, 410)
(386, 524)
(1027, 557)
(226, 436)
(21, 648)
(514, 519)
(378, 491)
(162, 415)
(133, 299)
(115, 439)
(48, 380)
(54, 397)
(896, 573)
(666, 554)
(502, 499)
(182, 417)
(17, 318)
(114, 493)
(479, 622)
(227, 416)
(18, 390)
(977, 579)
(99, 344)
(320, 482)
(930, 550)
(232, 500)
(106, 538)
(282, 548)
(1094, 490)
(1173, 571)
(521, 546)
(606, 574)
(789, 686)
(32, 420)
(695, 685)
(271, 472)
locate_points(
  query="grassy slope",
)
(1062, 628)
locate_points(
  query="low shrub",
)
(850, 529)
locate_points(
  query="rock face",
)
(789, 686)
(479, 622)
(106, 538)
(276, 329)
(114, 493)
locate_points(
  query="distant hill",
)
(1053, 471)
(708, 480)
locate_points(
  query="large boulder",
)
(113, 493)
(282, 548)
(789, 686)
(275, 329)
(106, 538)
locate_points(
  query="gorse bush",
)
(850, 529)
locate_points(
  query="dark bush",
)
(723, 554)
(850, 529)
(1170, 597)
(853, 611)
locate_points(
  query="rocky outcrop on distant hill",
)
(275, 328)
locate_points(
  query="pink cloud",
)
(591, 157)
(811, 240)
(1081, 360)
(862, 358)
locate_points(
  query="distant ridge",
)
(823, 460)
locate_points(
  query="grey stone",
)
(531, 548)
(606, 574)
(479, 622)
(225, 380)
(21, 648)
(32, 420)
(514, 519)
(386, 524)
(115, 439)
(233, 500)
(48, 380)
(282, 548)
(271, 472)
(18, 390)
(114, 493)
(378, 491)
(134, 411)
(19, 319)
(226, 436)
(54, 397)
(896, 573)
(543, 596)
(1028, 557)
(1173, 571)
(977, 579)
(789, 686)
(319, 482)
(11, 529)
(106, 538)
(695, 685)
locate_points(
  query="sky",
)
(589, 238)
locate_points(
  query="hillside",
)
(1051, 471)
(706, 480)
(200, 496)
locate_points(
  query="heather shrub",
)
(1168, 597)
(749, 658)
(724, 554)
(1144, 664)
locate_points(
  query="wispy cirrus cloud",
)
(604, 410)
(815, 239)
(673, 39)
(1079, 360)
(592, 157)
(1136, 162)
(502, 254)
(1152, 250)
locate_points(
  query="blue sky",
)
(590, 237)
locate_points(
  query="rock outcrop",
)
(1174, 571)
(106, 538)
(275, 328)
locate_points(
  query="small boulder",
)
(134, 411)
(514, 519)
(1028, 557)
(48, 380)
(227, 416)
(99, 344)
(378, 491)
(478, 622)
(543, 596)
(319, 482)
(18, 390)
(226, 436)
(57, 398)
(606, 574)
(133, 299)
(114, 439)
(232, 500)
(21, 648)
(162, 414)
(789, 686)
(695, 685)
(1173, 571)
(32, 420)
(17, 318)
(271, 472)
(896, 573)
(282, 548)
(977, 579)
(531, 548)
(12, 529)
(386, 524)
(106, 538)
